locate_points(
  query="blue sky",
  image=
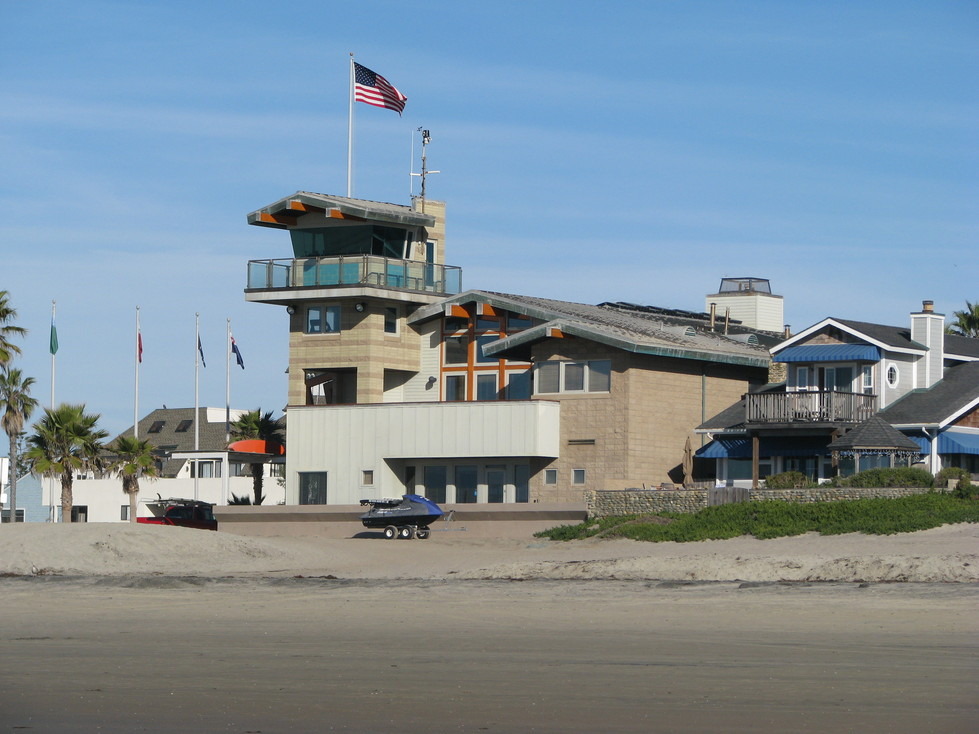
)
(633, 151)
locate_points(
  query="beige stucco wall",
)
(361, 343)
(640, 427)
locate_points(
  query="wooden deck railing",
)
(809, 407)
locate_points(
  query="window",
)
(391, 320)
(456, 349)
(184, 426)
(331, 387)
(455, 388)
(868, 379)
(517, 322)
(322, 319)
(312, 488)
(577, 476)
(205, 469)
(571, 377)
(466, 483)
(801, 378)
(124, 513)
(19, 515)
(435, 483)
(277, 471)
(157, 426)
(550, 476)
(486, 386)
(481, 342)
(892, 375)
(367, 477)
(518, 385)
(521, 483)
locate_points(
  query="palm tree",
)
(17, 406)
(966, 321)
(133, 459)
(256, 425)
(7, 330)
(65, 440)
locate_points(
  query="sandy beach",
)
(125, 628)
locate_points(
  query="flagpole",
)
(350, 131)
(54, 350)
(197, 411)
(226, 476)
(136, 381)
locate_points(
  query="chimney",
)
(928, 329)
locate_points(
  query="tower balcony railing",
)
(371, 270)
(814, 406)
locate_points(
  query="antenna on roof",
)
(426, 139)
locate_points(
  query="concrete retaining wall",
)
(608, 503)
(343, 521)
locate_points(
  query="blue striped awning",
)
(958, 443)
(740, 448)
(828, 353)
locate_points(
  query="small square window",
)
(184, 426)
(550, 476)
(367, 477)
(322, 319)
(577, 476)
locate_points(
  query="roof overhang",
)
(287, 212)
(828, 353)
(815, 328)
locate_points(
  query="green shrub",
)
(777, 518)
(963, 482)
(789, 480)
(901, 476)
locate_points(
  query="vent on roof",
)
(184, 426)
(744, 338)
(681, 330)
(157, 426)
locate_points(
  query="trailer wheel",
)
(390, 532)
(422, 533)
(407, 532)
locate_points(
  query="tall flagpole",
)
(227, 415)
(137, 356)
(197, 411)
(350, 132)
(54, 349)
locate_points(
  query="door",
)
(495, 484)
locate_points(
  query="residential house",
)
(839, 374)
(210, 472)
(400, 381)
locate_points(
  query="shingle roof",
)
(168, 438)
(963, 346)
(957, 389)
(623, 326)
(874, 433)
(894, 336)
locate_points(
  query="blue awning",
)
(828, 353)
(740, 448)
(958, 443)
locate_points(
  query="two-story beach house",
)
(400, 381)
(840, 373)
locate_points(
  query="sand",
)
(946, 554)
(172, 630)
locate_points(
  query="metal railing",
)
(383, 272)
(809, 407)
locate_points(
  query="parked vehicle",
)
(181, 512)
(407, 517)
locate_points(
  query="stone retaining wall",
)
(608, 503)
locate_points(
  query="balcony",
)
(809, 407)
(353, 270)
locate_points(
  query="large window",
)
(312, 488)
(486, 386)
(574, 377)
(435, 483)
(322, 319)
(467, 480)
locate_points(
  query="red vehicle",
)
(183, 513)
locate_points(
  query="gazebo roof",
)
(874, 434)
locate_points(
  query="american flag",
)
(375, 90)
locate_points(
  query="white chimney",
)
(928, 329)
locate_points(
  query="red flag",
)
(374, 89)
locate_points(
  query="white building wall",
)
(104, 498)
(345, 441)
(419, 389)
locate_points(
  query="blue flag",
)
(234, 348)
(201, 350)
